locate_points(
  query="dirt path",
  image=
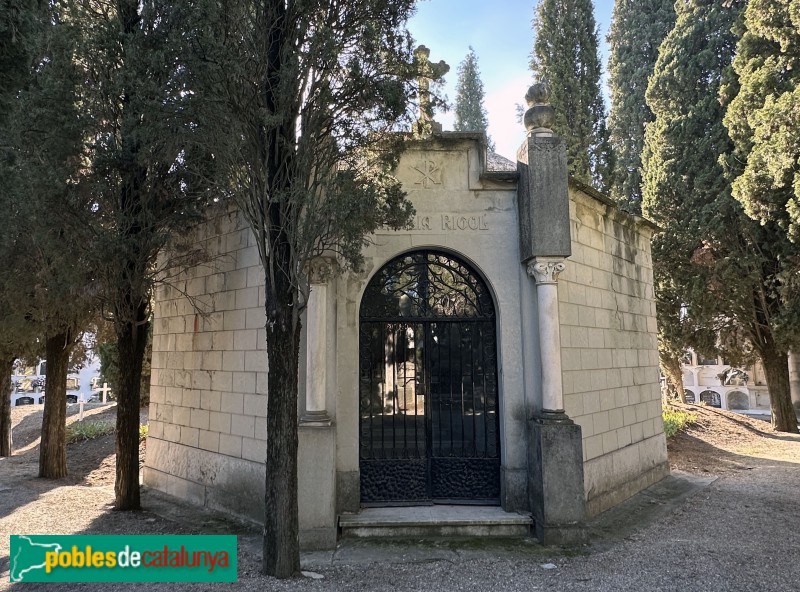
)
(721, 442)
(89, 462)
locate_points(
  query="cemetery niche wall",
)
(501, 352)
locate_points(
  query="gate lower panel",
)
(400, 480)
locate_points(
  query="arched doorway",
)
(739, 401)
(711, 398)
(428, 394)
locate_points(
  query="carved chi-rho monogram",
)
(450, 222)
(430, 174)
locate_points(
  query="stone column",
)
(555, 457)
(794, 379)
(316, 452)
(545, 271)
(316, 413)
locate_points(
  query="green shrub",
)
(676, 420)
(88, 430)
(143, 429)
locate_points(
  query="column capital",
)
(320, 269)
(545, 270)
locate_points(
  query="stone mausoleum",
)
(502, 352)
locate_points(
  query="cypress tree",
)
(637, 29)
(716, 273)
(17, 29)
(762, 118)
(44, 158)
(470, 112)
(565, 54)
(762, 121)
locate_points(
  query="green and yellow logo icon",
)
(121, 558)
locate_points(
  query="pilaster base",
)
(558, 504)
(316, 487)
(312, 419)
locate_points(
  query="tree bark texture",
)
(6, 371)
(131, 341)
(776, 369)
(53, 448)
(674, 374)
(281, 550)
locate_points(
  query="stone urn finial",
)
(540, 116)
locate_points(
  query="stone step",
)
(437, 521)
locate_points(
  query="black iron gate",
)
(429, 426)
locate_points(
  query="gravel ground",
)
(738, 532)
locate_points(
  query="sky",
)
(502, 36)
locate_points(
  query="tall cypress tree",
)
(717, 274)
(565, 54)
(762, 121)
(637, 29)
(762, 118)
(18, 26)
(45, 156)
(470, 112)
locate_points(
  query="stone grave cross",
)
(104, 392)
(427, 71)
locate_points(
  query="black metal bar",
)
(472, 335)
(371, 395)
(394, 393)
(385, 346)
(428, 406)
(485, 396)
(404, 330)
(450, 383)
(422, 381)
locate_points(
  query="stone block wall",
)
(609, 355)
(207, 437)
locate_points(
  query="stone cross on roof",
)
(427, 71)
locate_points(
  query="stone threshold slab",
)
(441, 515)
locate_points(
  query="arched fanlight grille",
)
(426, 285)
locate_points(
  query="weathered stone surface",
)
(794, 379)
(317, 486)
(556, 482)
(543, 199)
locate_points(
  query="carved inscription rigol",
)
(450, 222)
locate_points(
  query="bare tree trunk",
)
(6, 370)
(671, 366)
(53, 449)
(281, 551)
(776, 369)
(131, 342)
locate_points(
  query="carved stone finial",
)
(427, 71)
(540, 116)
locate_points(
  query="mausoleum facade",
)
(501, 351)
